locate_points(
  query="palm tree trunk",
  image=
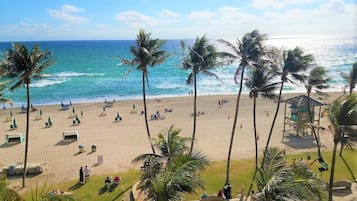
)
(145, 114)
(332, 170)
(312, 123)
(27, 133)
(234, 125)
(256, 147)
(194, 110)
(273, 123)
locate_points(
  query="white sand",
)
(119, 143)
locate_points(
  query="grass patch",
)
(214, 177)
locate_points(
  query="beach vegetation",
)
(259, 82)
(174, 172)
(22, 65)
(343, 117)
(146, 52)
(7, 194)
(248, 52)
(277, 180)
(199, 58)
(213, 176)
(291, 63)
(351, 78)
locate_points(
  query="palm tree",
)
(146, 53)
(278, 181)
(169, 175)
(22, 66)
(259, 82)
(343, 118)
(293, 63)
(351, 78)
(3, 99)
(249, 50)
(198, 59)
(316, 78)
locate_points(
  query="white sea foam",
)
(76, 74)
(47, 82)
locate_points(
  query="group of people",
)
(222, 102)
(84, 174)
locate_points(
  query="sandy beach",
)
(120, 142)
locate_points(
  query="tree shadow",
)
(348, 167)
(298, 142)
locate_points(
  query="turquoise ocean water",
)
(88, 71)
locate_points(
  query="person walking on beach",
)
(86, 173)
(81, 176)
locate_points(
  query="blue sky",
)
(171, 19)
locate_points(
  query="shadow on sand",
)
(6, 145)
(67, 142)
(298, 142)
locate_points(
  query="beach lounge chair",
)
(342, 187)
(65, 106)
(117, 118)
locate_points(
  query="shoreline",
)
(139, 97)
(120, 142)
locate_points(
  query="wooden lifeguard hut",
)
(297, 120)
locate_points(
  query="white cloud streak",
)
(135, 18)
(67, 13)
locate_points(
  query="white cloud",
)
(266, 4)
(66, 14)
(135, 18)
(201, 15)
(333, 7)
(298, 1)
(168, 13)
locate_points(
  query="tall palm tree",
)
(248, 52)
(22, 66)
(351, 78)
(199, 58)
(259, 81)
(146, 52)
(277, 181)
(343, 118)
(293, 63)
(316, 78)
(169, 175)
